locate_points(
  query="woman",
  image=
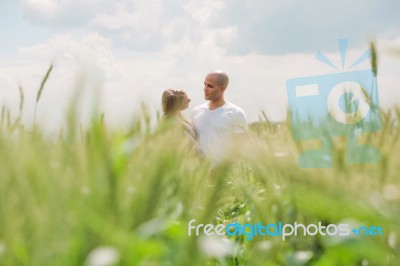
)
(173, 102)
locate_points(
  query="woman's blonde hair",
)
(172, 101)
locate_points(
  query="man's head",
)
(215, 85)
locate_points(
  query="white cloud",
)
(133, 24)
(141, 16)
(64, 13)
(75, 49)
(260, 26)
(46, 8)
(204, 11)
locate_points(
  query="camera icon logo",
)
(340, 104)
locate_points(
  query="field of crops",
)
(125, 197)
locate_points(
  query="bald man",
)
(217, 121)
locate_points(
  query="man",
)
(217, 122)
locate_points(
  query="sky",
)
(116, 54)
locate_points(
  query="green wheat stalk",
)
(21, 107)
(3, 114)
(21, 100)
(374, 57)
(8, 119)
(39, 94)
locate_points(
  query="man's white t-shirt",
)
(215, 128)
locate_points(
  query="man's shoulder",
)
(200, 107)
(233, 107)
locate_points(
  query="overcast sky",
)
(124, 52)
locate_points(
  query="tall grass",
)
(136, 190)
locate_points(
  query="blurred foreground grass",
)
(127, 196)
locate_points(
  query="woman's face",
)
(185, 102)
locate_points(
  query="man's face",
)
(212, 91)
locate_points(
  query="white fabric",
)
(215, 128)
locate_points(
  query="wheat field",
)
(100, 196)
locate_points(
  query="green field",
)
(95, 195)
(89, 192)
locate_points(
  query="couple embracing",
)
(213, 124)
